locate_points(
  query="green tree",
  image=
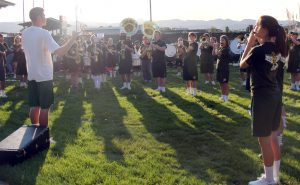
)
(227, 30)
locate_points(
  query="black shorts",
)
(2, 73)
(159, 69)
(40, 94)
(125, 67)
(222, 76)
(266, 113)
(178, 62)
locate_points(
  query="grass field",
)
(144, 137)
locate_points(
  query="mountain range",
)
(173, 23)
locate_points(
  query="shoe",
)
(222, 98)
(262, 181)
(123, 87)
(206, 82)
(158, 89)
(52, 141)
(163, 90)
(128, 86)
(213, 83)
(276, 179)
(3, 95)
(188, 91)
(244, 83)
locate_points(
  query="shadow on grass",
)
(202, 151)
(108, 117)
(18, 109)
(27, 171)
(64, 128)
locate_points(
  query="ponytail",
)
(277, 31)
(281, 41)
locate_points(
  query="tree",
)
(213, 29)
(227, 30)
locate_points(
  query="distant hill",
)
(173, 23)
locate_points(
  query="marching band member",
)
(223, 67)
(207, 59)
(3, 51)
(180, 53)
(266, 94)
(294, 61)
(74, 64)
(97, 62)
(190, 72)
(136, 61)
(126, 48)
(159, 67)
(111, 58)
(241, 46)
(20, 60)
(146, 56)
(86, 59)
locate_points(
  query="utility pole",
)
(23, 11)
(150, 11)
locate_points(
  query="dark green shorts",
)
(40, 94)
(266, 113)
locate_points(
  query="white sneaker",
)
(4, 95)
(163, 89)
(276, 179)
(178, 74)
(293, 87)
(188, 90)
(158, 89)
(222, 98)
(262, 181)
(206, 82)
(244, 83)
(213, 82)
(123, 87)
(128, 86)
(52, 141)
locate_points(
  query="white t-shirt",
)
(38, 45)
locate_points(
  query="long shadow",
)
(192, 107)
(64, 128)
(198, 148)
(24, 173)
(20, 173)
(108, 121)
(18, 108)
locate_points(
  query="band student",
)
(159, 67)
(38, 45)
(266, 94)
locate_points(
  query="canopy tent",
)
(52, 24)
(4, 4)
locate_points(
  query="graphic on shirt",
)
(273, 59)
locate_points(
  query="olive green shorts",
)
(40, 94)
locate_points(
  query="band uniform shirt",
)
(263, 64)
(157, 55)
(38, 46)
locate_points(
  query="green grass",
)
(144, 137)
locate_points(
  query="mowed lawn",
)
(144, 137)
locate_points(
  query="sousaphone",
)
(129, 26)
(148, 29)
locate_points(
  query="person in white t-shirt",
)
(38, 46)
